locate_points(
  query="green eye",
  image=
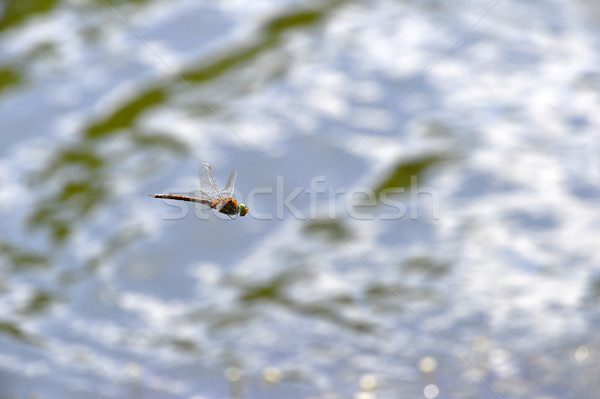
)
(243, 210)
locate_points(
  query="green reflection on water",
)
(270, 290)
(74, 200)
(332, 230)
(13, 330)
(391, 297)
(386, 297)
(159, 141)
(125, 116)
(15, 12)
(9, 76)
(427, 265)
(270, 37)
(328, 311)
(82, 156)
(294, 20)
(22, 259)
(275, 289)
(185, 345)
(402, 177)
(39, 303)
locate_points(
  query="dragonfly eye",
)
(243, 210)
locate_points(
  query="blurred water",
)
(480, 117)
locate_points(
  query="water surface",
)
(472, 129)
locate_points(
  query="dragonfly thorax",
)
(229, 206)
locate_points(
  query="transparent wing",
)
(228, 190)
(207, 180)
(201, 195)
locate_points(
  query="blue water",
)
(422, 179)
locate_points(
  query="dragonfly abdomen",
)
(184, 198)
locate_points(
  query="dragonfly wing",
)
(203, 196)
(207, 180)
(228, 190)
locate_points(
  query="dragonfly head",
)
(243, 210)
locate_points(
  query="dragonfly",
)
(210, 196)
